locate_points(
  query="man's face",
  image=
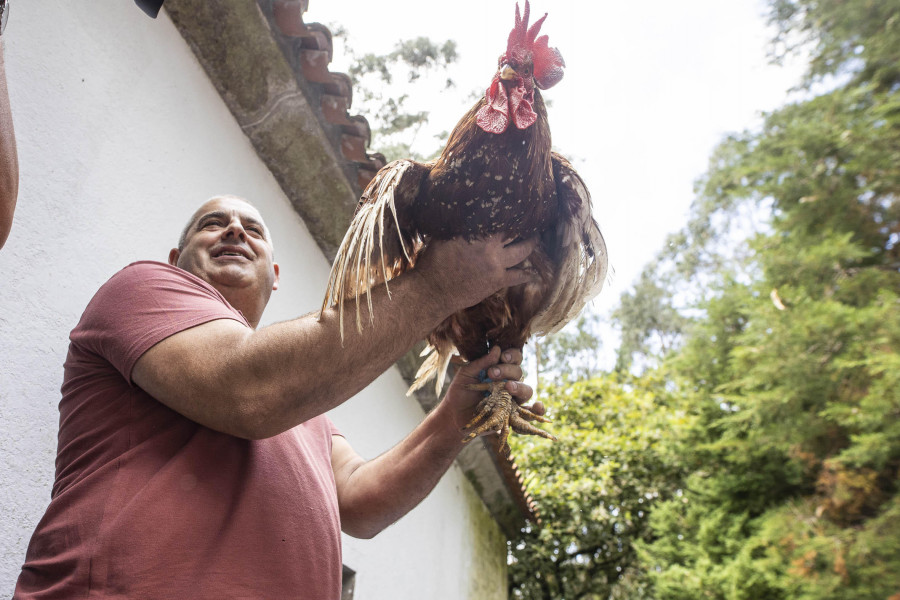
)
(228, 246)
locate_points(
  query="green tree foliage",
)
(384, 84)
(790, 363)
(570, 354)
(614, 459)
(859, 37)
(651, 325)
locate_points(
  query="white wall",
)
(121, 136)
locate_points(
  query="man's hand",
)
(461, 402)
(373, 494)
(463, 273)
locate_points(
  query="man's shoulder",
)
(149, 300)
(151, 274)
(153, 283)
(151, 268)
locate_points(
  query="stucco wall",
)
(120, 137)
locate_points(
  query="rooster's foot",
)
(499, 412)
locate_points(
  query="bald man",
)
(195, 458)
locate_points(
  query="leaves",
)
(596, 506)
(795, 447)
(570, 354)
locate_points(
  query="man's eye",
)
(255, 230)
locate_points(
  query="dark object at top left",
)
(151, 7)
(4, 14)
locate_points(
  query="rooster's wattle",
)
(496, 174)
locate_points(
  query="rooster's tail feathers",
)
(359, 265)
(435, 365)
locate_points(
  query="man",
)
(9, 162)
(194, 458)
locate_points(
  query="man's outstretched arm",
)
(9, 160)
(256, 384)
(374, 494)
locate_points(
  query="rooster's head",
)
(528, 62)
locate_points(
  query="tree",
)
(570, 354)
(621, 434)
(650, 324)
(790, 364)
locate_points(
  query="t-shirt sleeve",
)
(332, 427)
(142, 305)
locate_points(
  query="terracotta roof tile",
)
(310, 51)
(515, 482)
(289, 16)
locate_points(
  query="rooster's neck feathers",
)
(468, 139)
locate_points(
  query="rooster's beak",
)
(507, 73)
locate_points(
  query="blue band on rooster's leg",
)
(483, 378)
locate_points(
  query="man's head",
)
(227, 244)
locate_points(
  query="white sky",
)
(650, 87)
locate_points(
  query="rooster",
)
(496, 174)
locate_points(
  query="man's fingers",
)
(521, 392)
(508, 365)
(491, 358)
(516, 252)
(516, 276)
(512, 356)
(466, 271)
(504, 371)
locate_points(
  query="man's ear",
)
(173, 257)
(275, 268)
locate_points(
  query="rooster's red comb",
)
(548, 62)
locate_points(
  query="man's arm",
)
(256, 384)
(9, 161)
(373, 494)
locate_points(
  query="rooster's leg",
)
(499, 412)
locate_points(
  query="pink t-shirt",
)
(149, 504)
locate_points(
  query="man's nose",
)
(235, 229)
